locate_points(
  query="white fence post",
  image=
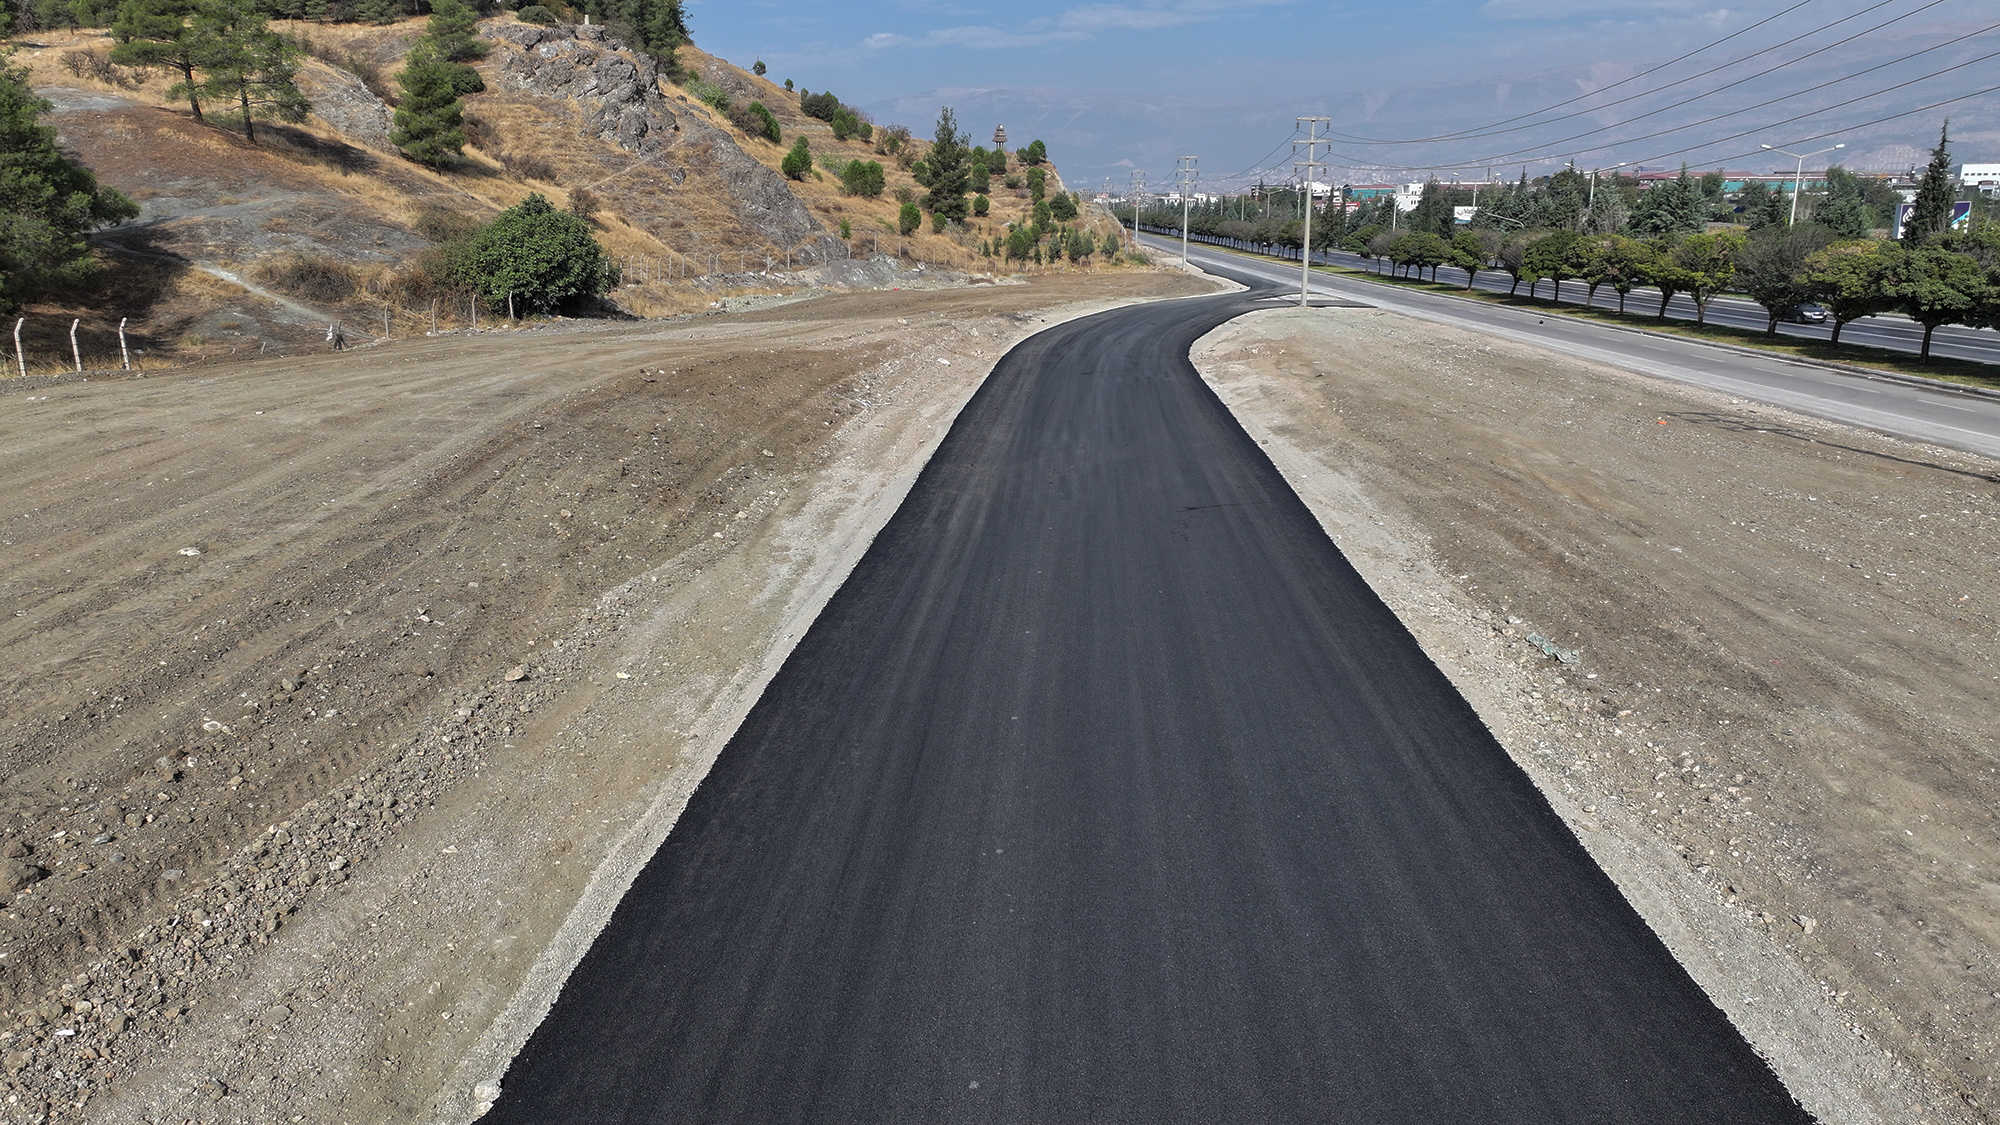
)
(75, 353)
(124, 355)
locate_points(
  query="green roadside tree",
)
(160, 33)
(1549, 256)
(1844, 211)
(1847, 278)
(1930, 213)
(909, 218)
(1772, 267)
(797, 162)
(1513, 257)
(1706, 264)
(1934, 286)
(48, 203)
(1420, 250)
(1661, 271)
(1433, 211)
(1472, 251)
(543, 258)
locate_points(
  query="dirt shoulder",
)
(344, 694)
(1777, 732)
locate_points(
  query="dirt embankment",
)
(330, 684)
(1778, 730)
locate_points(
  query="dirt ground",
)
(331, 683)
(1777, 733)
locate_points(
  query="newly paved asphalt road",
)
(1940, 416)
(1105, 791)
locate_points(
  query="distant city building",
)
(1984, 178)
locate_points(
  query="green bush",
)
(758, 68)
(547, 259)
(846, 229)
(981, 205)
(757, 121)
(798, 161)
(863, 177)
(1063, 207)
(537, 14)
(822, 105)
(1038, 183)
(909, 218)
(1012, 182)
(710, 93)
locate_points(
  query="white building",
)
(1985, 177)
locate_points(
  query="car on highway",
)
(1804, 314)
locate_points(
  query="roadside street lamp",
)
(1799, 178)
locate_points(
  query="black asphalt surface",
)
(1106, 791)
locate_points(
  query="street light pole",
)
(1184, 178)
(1799, 178)
(1313, 142)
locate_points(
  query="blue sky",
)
(1121, 85)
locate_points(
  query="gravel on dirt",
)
(1752, 657)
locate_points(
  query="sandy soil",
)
(1777, 733)
(343, 694)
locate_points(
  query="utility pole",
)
(1313, 144)
(1185, 176)
(1138, 194)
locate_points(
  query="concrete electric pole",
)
(1138, 194)
(1313, 144)
(1185, 176)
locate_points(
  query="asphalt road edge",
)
(483, 1069)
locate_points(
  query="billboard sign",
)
(1463, 215)
(1961, 216)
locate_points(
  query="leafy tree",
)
(1934, 286)
(797, 162)
(1035, 153)
(1660, 268)
(949, 174)
(996, 163)
(658, 27)
(909, 218)
(160, 33)
(1420, 250)
(1847, 277)
(1674, 207)
(788, 84)
(1513, 257)
(430, 119)
(1705, 264)
(1931, 211)
(1772, 267)
(1063, 207)
(758, 68)
(1020, 244)
(1038, 181)
(1548, 256)
(1043, 213)
(1845, 209)
(454, 31)
(981, 205)
(1621, 263)
(1761, 206)
(47, 202)
(920, 171)
(246, 62)
(1472, 251)
(534, 13)
(845, 124)
(981, 179)
(545, 258)
(863, 177)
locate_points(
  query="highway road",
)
(1889, 330)
(1942, 417)
(1104, 790)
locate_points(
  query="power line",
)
(1719, 67)
(1613, 86)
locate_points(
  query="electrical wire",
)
(1613, 86)
(1711, 70)
(1508, 157)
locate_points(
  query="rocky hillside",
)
(254, 247)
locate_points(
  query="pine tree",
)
(47, 203)
(160, 33)
(1931, 211)
(430, 121)
(454, 30)
(1675, 207)
(246, 62)
(948, 169)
